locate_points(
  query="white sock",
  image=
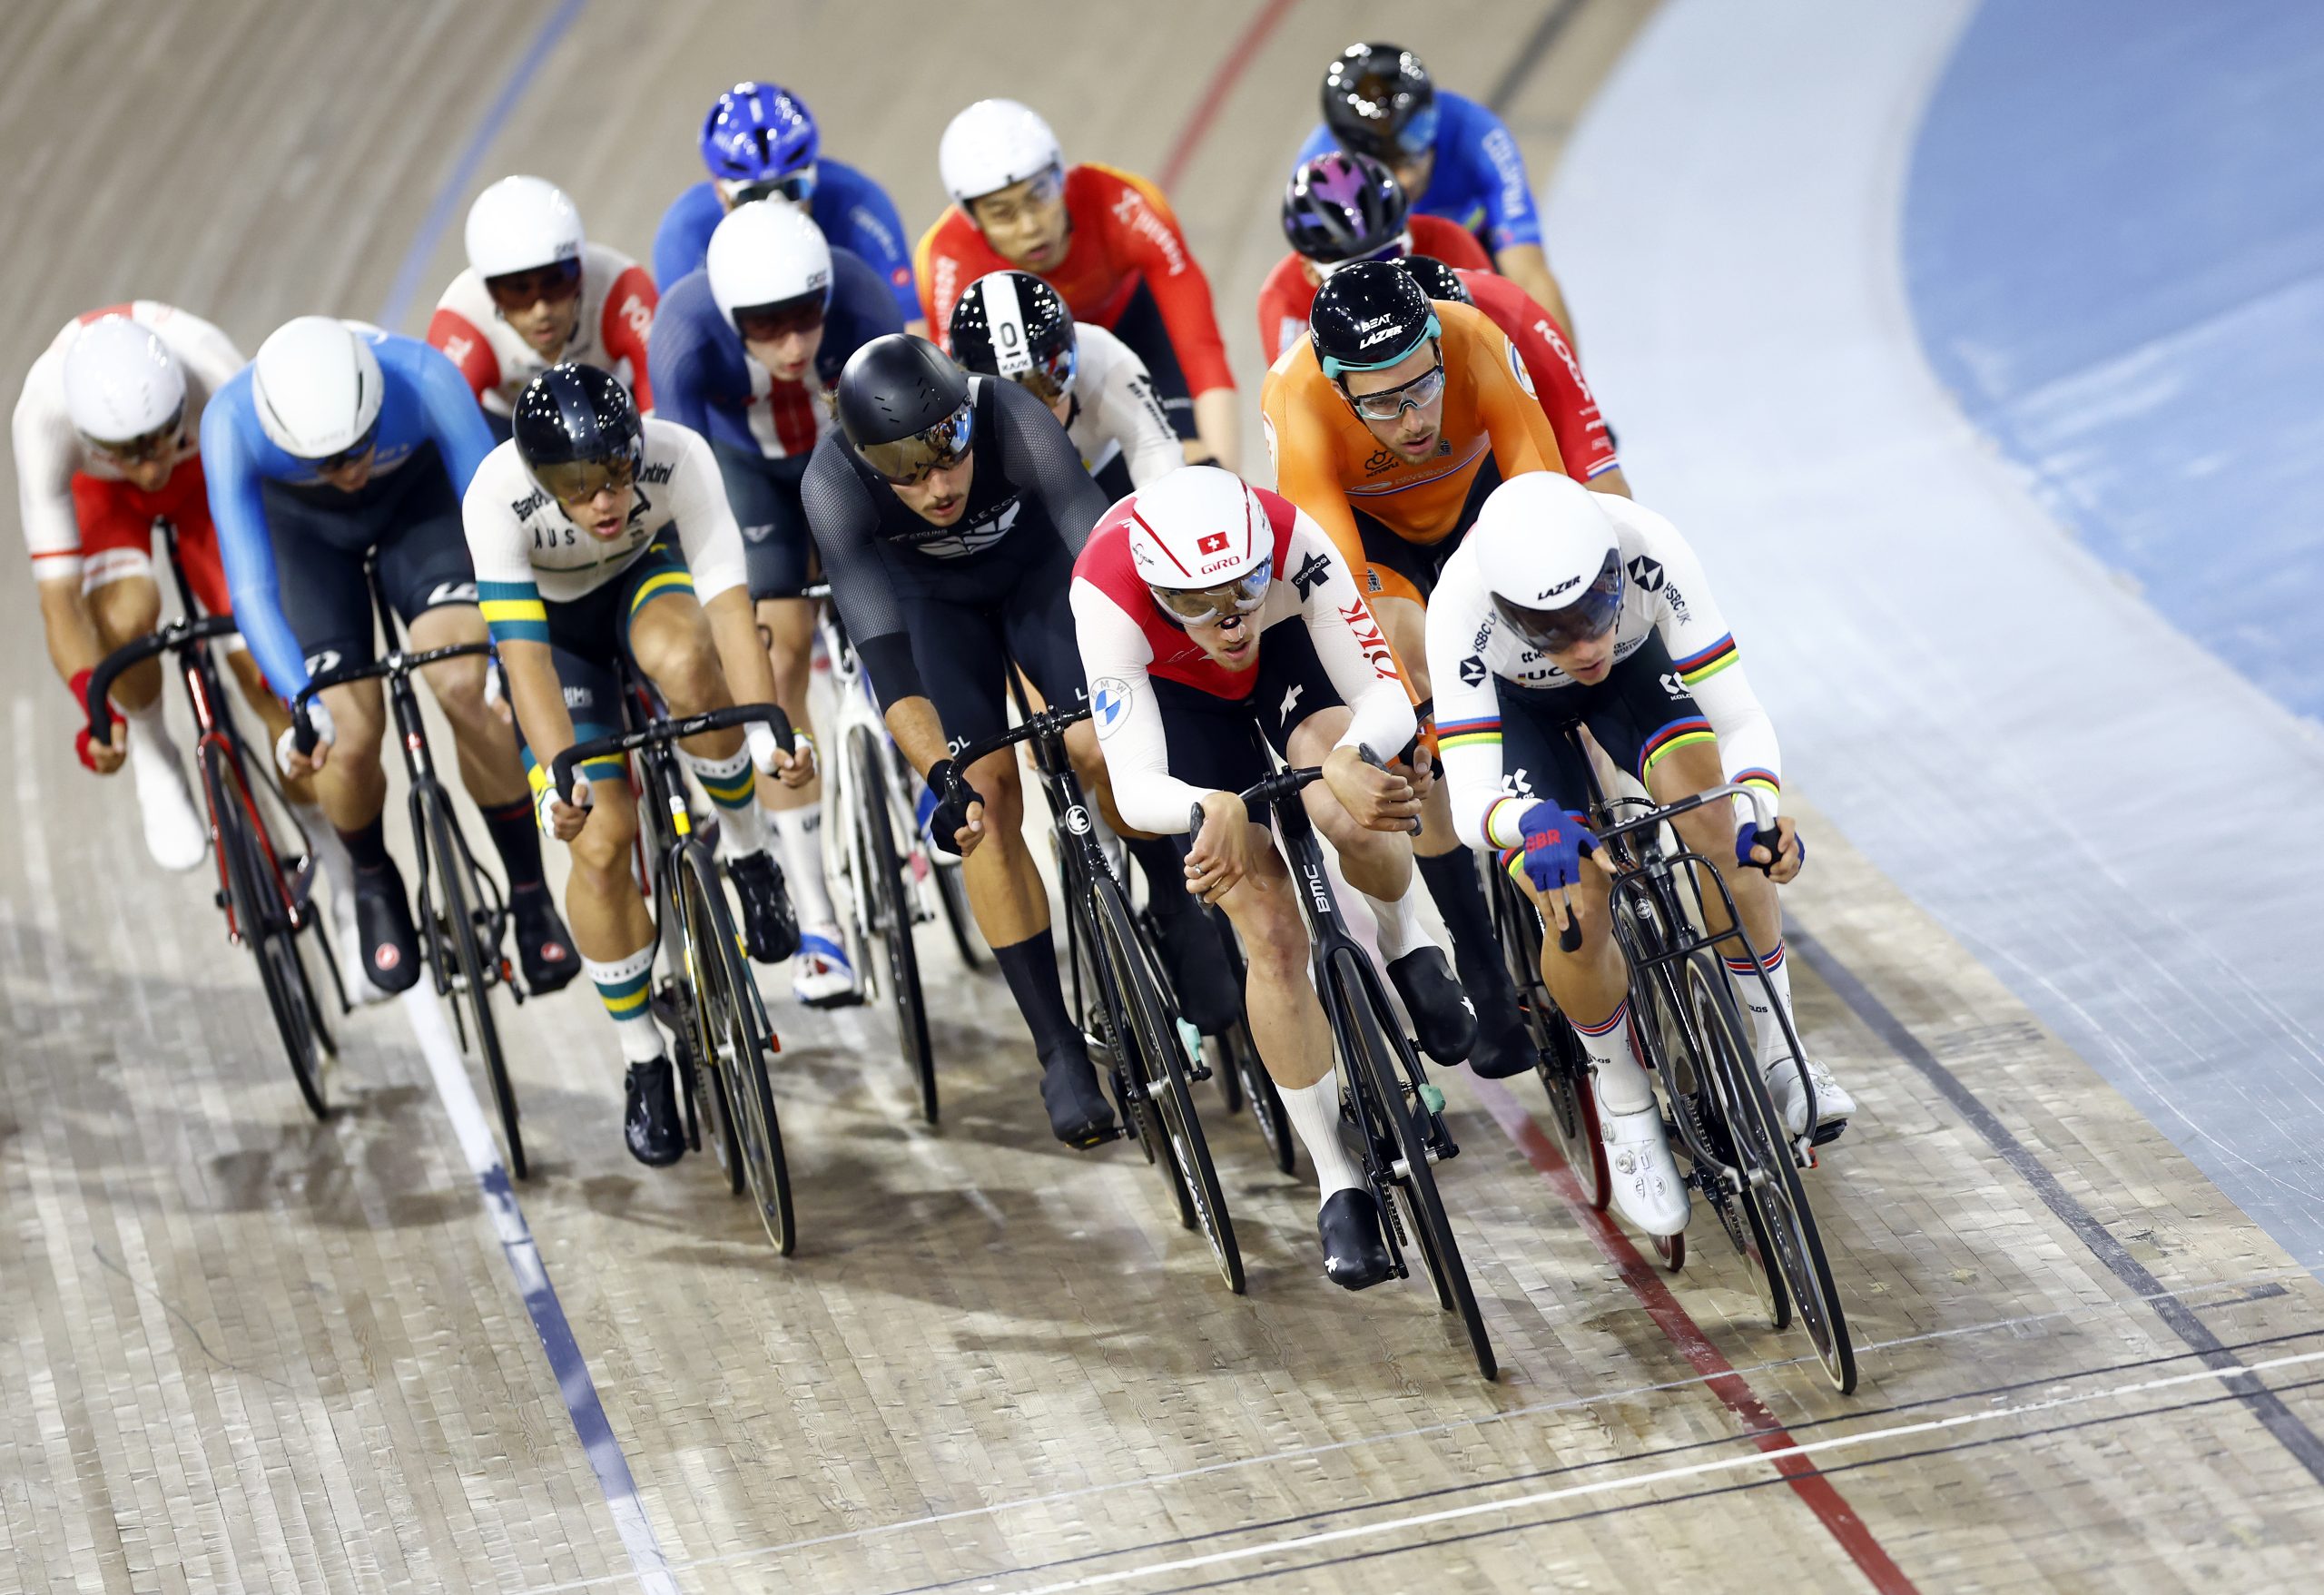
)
(150, 731)
(801, 833)
(1400, 928)
(1622, 1085)
(732, 785)
(330, 853)
(1314, 1113)
(1773, 1047)
(622, 986)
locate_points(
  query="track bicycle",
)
(1386, 1095)
(724, 1040)
(268, 898)
(459, 908)
(1119, 991)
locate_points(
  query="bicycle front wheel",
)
(456, 918)
(736, 1040)
(254, 891)
(890, 914)
(1384, 1067)
(1163, 1060)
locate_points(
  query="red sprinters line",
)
(1805, 1479)
(1222, 83)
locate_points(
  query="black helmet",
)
(1378, 100)
(1012, 324)
(577, 431)
(1341, 207)
(1369, 315)
(1437, 280)
(904, 407)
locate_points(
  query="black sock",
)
(366, 847)
(515, 836)
(1164, 869)
(1460, 897)
(1030, 969)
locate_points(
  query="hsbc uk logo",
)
(1473, 671)
(1647, 573)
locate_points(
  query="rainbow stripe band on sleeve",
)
(1679, 734)
(1469, 734)
(513, 611)
(1697, 668)
(1765, 780)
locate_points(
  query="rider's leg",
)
(819, 973)
(670, 638)
(615, 933)
(486, 741)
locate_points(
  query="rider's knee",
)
(459, 686)
(690, 678)
(1267, 919)
(602, 851)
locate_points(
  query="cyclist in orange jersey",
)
(1389, 426)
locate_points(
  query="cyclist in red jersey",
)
(1107, 241)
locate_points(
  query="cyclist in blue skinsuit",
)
(760, 141)
(339, 442)
(1452, 156)
(745, 352)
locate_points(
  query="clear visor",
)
(1205, 606)
(912, 459)
(1051, 378)
(352, 452)
(577, 481)
(155, 445)
(1591, 616)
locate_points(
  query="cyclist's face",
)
(787, 355)
(1413, 175)
(603, 514)
(1412, 433)
(1025, 223)
(547, 323)
(940, 497)
(148, 475)
(1588, 662)
(351, 475)
(1233, 642)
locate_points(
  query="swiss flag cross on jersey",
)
(1212, 543)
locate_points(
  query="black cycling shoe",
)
(1439, 1010)
(1354, 1257)
(1506, 1052)
(383, 920)
(1079, 1114)
(544, 947)
(770, 928)
(650, 1121)
(1199, 971)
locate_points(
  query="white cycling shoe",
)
(1833, 1104)
(176, 833)
(1648, 1191)
(347, 941)
(820, 975)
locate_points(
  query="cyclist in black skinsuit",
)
(948, 511)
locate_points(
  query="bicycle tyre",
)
(952, 894)
(469, 992)
(1559, 1060)
(1780, 1204)
(891, 915)
(737, 1038)
(713, 1115)
(1168, 1087)
(265, 928)
(1384, 1069)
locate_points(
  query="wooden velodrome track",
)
(243, 1350)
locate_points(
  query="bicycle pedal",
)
(1826, 1134)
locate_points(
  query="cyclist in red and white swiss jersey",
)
(537, 292)
(1210, 613)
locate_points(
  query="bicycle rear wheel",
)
(1385, 1068)
(736, 1037)
(1777, 1202)
(1558, 1056)
(456, 923)
(1163, 1062)
(254, 891)
(890, 914)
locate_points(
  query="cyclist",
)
(339, 442)
(745, 353)
(1184, 601)
(1412, 410)
(595, 532)
(948, 511)
(1107, 241)
(1012, 324)
(1338, 208)
(759, 142)
(1568, 605)
(535, 293)
(1450, 154)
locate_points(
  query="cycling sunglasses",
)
(577, 481)
(520, 290)
(146, 446)
(1555, 631)
(781, 318)
(797, 187)
(1390, 403)
(912, 459)
(1209, 605)
(352, 452)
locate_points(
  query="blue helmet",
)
(759, 133)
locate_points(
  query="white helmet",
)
(316, 387)
(520, 223)
(1550, 558)
(121, 381)
(991, 144)
(1197, 530)
(764, 253)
